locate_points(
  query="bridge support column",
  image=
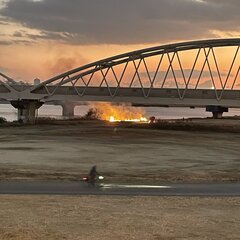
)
(68, 109)
(217, 111)
(27, 110)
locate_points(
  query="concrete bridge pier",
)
(27, 110)
(68, 109)
(217, 111)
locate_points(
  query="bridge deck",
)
(159, 97)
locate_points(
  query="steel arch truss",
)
(169, 70)
(7, 82)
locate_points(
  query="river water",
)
(10, 113)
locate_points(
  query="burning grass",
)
(119, 113)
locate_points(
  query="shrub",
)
(93, 114)
(2, 120)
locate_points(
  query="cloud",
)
(48, 35)
(124, 22)
(12, 42)
(17, 34)
(207, 84)
(3, 69)
(3, 23)
(5, 43)
(187, 72)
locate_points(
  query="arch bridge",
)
(190, 74)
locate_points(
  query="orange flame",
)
(120, 113)
(142, 119)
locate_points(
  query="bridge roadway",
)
(80, 188)
(156, 96)
(137, 96)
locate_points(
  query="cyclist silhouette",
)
(93, 175)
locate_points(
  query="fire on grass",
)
(141, 120)
(120, 113)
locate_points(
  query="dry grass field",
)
(122, 154)
(95, 217)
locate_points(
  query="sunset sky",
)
(41, 38)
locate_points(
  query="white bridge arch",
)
(108, 76)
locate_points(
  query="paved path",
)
(80, 188)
